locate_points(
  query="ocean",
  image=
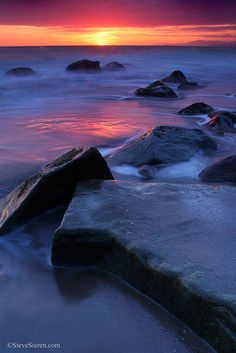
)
(43, 116)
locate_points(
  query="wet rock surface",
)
(175, 254)
(156, 89)
(20, 72)
(196, 108)
(164, 144)
(114, 66)
(221, 171)
(86, 66)
(52, 186)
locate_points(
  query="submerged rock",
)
(196, 109)
(175, 77)
(164, 144)
(226, 113)
(147, 172)
(20, 72)
(221, 124)
(52, 186)
(188, 85)
(87, 66)
(221, 171)
(113, 66)
(172, 242)
(157, 89)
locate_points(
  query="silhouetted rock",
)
(157, 89)
(221, 124)
(196, 108)
(173, 242)
(87, 66)
(176, 77)
(221, 171)
(20, 72)
(113, 66)
(164, 144)
(52, 186)
(188, 86)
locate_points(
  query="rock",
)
(147, 172)
(221, 124)
(229, 114)
(221, 171)
(52, 186)
(20, 72)
(164, 144)
(173, 242)
(114, 66)
(176, 77)
(196, 109)
(188, 85)
(157, 89)
(87, 66)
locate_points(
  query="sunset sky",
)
(109, 22)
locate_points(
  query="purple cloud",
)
(93, 13)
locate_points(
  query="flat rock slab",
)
(175, 243)
(54, 185)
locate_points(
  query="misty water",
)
(43, 116)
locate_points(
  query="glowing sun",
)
(103, 38)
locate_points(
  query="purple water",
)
(43, 116)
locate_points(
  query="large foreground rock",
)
(175, 243)
(52, 186)
(156, 89)
(86, 66)
(20, 72)
(196, 109)
(221, 171)
(164, 144)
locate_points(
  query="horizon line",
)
(117, 45)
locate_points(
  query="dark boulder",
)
(176, 77)
(20, 72)
(164, 144)
(188, 86)
(86, 66)
(113, 66)
(157, 89)
(196, 108)
(221, 171)
(52, 186)
(221, 124)
(227, 113)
